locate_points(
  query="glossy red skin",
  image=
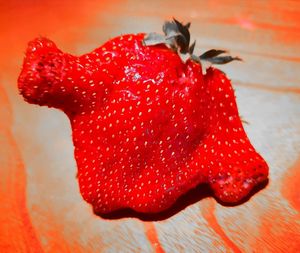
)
(146, 126)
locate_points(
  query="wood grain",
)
(16, 230)
(41, 208)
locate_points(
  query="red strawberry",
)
(147, 124)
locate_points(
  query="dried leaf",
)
(177, 37)
(184, 30)
(184, 40)
(170, 27)
(223, 59)
(192, 47)
(172, 35)
(154, 39)
(195, 58)
(212, 53)
(184, 57)
(188, 25)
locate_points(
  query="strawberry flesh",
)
(147, 127)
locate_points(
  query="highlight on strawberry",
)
(148, 124)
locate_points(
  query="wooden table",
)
(41, 208)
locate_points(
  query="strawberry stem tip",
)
(177, 37)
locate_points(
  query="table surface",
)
(41, 208)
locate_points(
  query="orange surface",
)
(41, 209)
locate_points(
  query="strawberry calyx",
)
(177, 37)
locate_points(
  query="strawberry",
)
(147, 124)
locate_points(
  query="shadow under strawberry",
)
(191, 197)
(148, 124)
